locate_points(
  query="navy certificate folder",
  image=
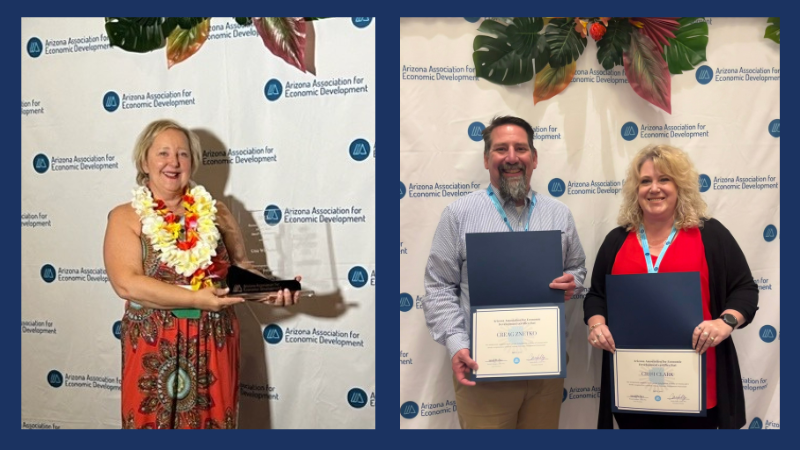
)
(655, 311)
(513, 268)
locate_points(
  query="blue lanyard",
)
(646, 248)
(497, 205)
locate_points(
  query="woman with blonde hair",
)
(167, 253)
(662, 210)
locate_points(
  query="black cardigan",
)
(731, 286)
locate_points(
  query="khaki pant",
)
(534, 404)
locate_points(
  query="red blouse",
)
(685, 254)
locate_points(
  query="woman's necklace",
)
(185, 244)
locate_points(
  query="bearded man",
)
(508, 204)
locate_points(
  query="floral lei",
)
(186, 247)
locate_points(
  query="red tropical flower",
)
(597, 30)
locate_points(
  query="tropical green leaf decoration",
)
(507, 59)
(688, 48)
(136, 34)
(289, 38)
(511, 50)
(564, 43)
(774, 31)
(285, 37)
(183, 43)
(647, 72)
(614, 43)
(550, 82)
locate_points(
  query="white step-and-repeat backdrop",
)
(290, 153)
(725, 114)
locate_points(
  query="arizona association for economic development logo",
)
(34, 47)
(273, 215)
(79, 44)
(631, 131)
(357, 398)
(148, 100)
(273, 334)
(406, 302)
(770, 233)
(402, 190)
(275, 89)
(73, 274)
(99, 162)
(704, 182)
(361, 22)
(705, 74)
(41, 163)
(410, 410)
(359, 149)
(558, 187)
(768, 333)
(358, 277)
(56, 380)
(738, 182)
(775, 128)
(475, 131)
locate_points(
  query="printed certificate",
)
(523, 342)
(658, 381)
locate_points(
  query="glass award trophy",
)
(251, 286)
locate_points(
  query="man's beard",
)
(515, 190)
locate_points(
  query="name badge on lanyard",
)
(646, 248)
(500, 210)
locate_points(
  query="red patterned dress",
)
(179, 372)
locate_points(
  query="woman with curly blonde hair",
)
(661, 210)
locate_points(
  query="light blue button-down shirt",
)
(446, 302)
